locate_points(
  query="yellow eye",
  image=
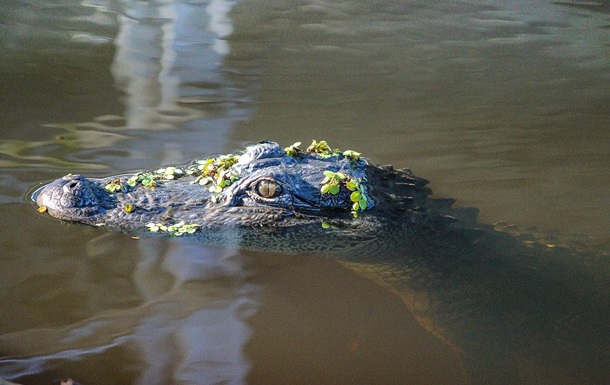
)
(268, 189)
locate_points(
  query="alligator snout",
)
(71, 198)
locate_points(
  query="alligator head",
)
(267, 191)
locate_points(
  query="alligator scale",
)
(316, 199)
(503, 301)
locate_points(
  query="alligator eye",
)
(268, 189)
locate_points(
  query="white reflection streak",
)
(159, 45)
(181, 336)
(135, 65)
(168, 83)
(196, 335)
(220, 24)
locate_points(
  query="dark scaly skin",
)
(500, 299)
(238, 214)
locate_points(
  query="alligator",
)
(506, 301)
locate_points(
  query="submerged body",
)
(501, 300)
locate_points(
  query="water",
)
(502, 105)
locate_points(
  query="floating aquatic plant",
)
(293, 150)
(215, 171)
(329, 225)
(332, 182)
(170, 172)
(144, 178)
(357, 197)
(352, 155)
(113, 185)
(147, 179)
(177, 229)
(322, 148)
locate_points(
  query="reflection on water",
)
(502, 105)
(156, 48)
(179, 308)
(161, 60)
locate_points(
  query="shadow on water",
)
(503, 106)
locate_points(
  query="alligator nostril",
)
(72, 185)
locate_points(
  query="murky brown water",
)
(502, 105)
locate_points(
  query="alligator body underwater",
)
(504, 301)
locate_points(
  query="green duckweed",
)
(322, 148)
(332, 182)
(293, 150)
(113, 185)
(215, 172)
(170, 172)
(177, 229)
(146, 179)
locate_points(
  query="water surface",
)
(502, 105)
